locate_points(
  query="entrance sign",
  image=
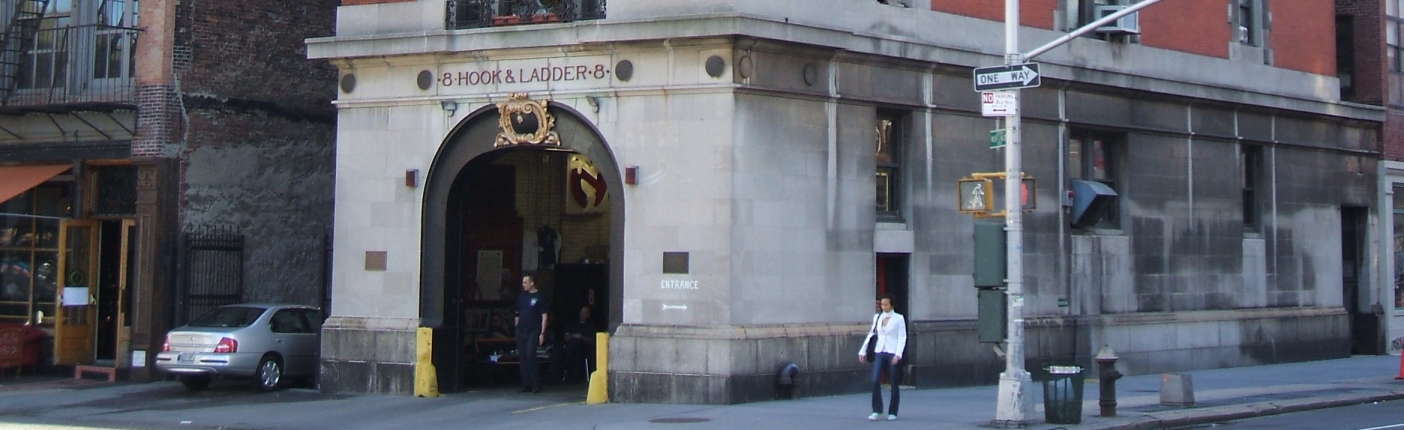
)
(1007, 77)
(998, 103)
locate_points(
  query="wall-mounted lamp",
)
(449, 106)
(631, 175)
(412, 178)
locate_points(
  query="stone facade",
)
(761, 167)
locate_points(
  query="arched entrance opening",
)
(496, 209)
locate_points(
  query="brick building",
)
(731, 181)
(159, 157)
(1369, 64)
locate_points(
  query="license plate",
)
(185, 358)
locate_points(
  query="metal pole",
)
(1013, 409)
(1088, 28)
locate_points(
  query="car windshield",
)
(229, 316)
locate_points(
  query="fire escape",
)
(67, 78)
(51, 62)
(19, 36)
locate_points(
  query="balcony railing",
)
(87, 65)
(488, 13)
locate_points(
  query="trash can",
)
(1062, 395)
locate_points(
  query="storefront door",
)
(73, 325)
(115, 244)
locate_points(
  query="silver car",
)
(268, 342)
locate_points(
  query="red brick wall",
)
(1393, 136)
(1304, 36)
(258, 140)
(1194, 26)
(253, 51)
(1033, 13)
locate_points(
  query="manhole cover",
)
(679, 420)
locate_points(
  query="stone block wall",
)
(368, 356)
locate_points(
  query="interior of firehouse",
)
(524, 211)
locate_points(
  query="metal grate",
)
(488, 13)
(213, 270)
(116, 191)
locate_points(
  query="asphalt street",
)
(1370, 416)
(1223, 396)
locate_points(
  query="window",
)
(1393, 25)
(78, 44)
(289, 321)
(46, 64)
(1087, 12)
(1252, 170)
(1345, 55)
(228, 316)
(1398, 247)
(1246, 19)
(1095, 157)
(116, 191)
(887, 152)
(314, 320)
(29, 252)
(112, 56)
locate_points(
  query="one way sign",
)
(1006, 77)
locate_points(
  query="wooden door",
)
(124, 279)
(73, 324)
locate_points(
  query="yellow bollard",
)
(426, 378)
(599, 379)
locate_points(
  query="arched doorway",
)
(495, 209)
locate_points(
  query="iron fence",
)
(212, 275)
(488, 13)
(85, 64)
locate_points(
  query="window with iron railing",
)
(488, 13)
(75, 51)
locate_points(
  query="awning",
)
(15, 180)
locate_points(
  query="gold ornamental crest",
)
(524, 121)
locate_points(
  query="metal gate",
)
(212, 275)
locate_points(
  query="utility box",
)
(990, 254)
(992, 326)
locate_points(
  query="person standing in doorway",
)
(532, 318)
(579, 346)
(889, 331)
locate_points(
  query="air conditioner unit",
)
(1129, 24)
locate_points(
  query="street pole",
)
(1013, 409)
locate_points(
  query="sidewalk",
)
(1223, 394)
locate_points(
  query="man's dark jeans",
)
(526, 352)
(894, 374)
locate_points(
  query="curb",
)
(1170, 419)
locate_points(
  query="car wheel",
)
(270, 373)
(195, 382)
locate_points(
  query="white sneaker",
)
(892, 418)
(873, 416)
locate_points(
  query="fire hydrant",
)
(1106, 379)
